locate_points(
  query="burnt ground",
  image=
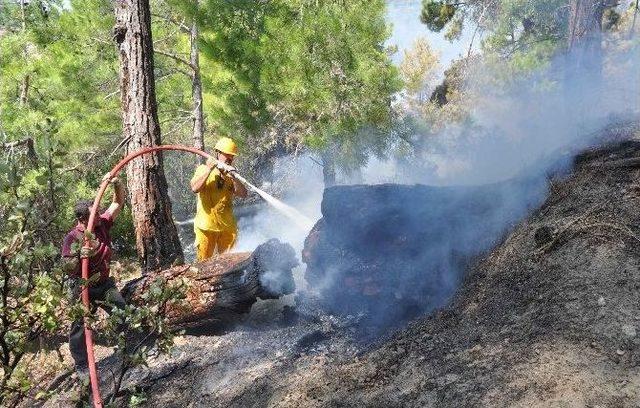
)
(550, 317)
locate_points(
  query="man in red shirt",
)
(102, 288)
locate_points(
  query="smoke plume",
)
(410, 245)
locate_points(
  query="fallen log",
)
(224, 287)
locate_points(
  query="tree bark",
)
(23, 15)
(157, 239)
(585, 37)
(391, 248)
(24, 86)
(585, 22)
(196, 91)
(633, 24)
(224, 287)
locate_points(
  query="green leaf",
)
(41, 179)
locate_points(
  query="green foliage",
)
(449, 102)
(59, 118)
(69, 67)
(454, 29)
(123, 234)
(142, 328)
(326, 64)
(320, 70)
(173, 76)
(522, 27)
(232, 33)
(30, 279)
(419, 69)
(436, 14)
(137, 399)
(522, 34)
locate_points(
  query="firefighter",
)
(102, 288)
(214, 224)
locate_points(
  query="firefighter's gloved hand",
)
(112, 180)
(91, 251)
(226, 168)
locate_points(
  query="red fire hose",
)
(93, 373)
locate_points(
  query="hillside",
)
(549, 317)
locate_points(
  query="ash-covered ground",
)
(549, 317)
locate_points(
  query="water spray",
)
(296, 216)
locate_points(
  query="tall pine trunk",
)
(157, 239)
(196, 91)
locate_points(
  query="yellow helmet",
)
(226, 145)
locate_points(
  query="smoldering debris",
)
(397, 251)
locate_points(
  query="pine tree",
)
(157, 239)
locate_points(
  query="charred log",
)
(223, 288)
(398, 250)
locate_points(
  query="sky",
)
(404, 16)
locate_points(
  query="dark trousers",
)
(104, 295)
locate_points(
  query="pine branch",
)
(175, 58)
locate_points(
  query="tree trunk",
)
(23, 14)
(24, 90)
(585, 22)
(224, 287)
(24, 86)
(196, 92)
(157, 239)
(28, 144)
(328, 169)
(633, 24)
(585, 37)
(391, 248)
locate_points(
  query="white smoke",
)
(524, 132)
(523, 129)
(301, 180)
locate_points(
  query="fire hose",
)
(93, 373)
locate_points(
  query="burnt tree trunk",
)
(157, 239)
(396, 250)
(224, 287)
(196, 91)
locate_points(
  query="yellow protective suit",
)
(214, 224)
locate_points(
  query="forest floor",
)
(550, 317)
